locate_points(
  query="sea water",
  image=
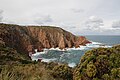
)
(72, 56)
(105, 39)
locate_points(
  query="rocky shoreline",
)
(27, 38)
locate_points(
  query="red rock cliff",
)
(28, 38)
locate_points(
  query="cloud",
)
(116, 24)
(93, 23)
(1, 16)
(77, 10)
(43, 19)
(67, 26)
(73, 12)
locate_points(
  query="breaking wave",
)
(71, 56)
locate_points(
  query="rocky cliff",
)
(27, 38)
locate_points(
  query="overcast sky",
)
(81, 17)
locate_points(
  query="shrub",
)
(62, 71)
(99, 64)
(91, 70)
(106, 77)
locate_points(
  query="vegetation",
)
(99, 64)
(10, 56)
(62, 71)
(14, 66)
(96, 64)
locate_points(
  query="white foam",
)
(92, 45)
(37, 55)
(71, 64)
(79, 48)
(107, 46)
(97, 43)
(58, 49)
(48, 60)
(34, 58)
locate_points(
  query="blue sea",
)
(105, 39)
(72, 56)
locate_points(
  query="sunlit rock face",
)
(27, 38)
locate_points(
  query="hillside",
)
(17, 66)
(96, 64)
(99, 64)
(27, 38)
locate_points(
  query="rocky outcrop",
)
(27, 38)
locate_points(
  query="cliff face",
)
(28, 38)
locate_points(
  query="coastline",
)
(89, 46)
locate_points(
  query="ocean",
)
(71, 56)
(105, 39)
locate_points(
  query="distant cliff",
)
(28, 38)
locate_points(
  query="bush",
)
(99, 64)
(106, 77)
(62, 71)
(91, 70)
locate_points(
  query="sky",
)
(81, 17)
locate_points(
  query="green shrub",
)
(62, 71)
(99, 64)
(91, 70)
(106, 77)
